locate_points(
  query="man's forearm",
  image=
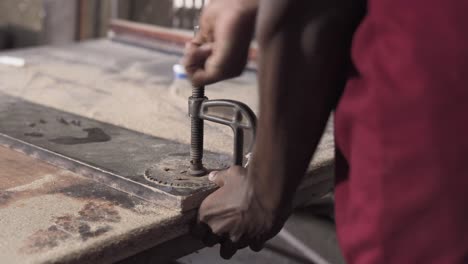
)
(303, 64)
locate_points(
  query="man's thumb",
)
(217, 177)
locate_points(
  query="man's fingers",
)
(228, 249)
(211, 240)
(217, 67)
(203, 232)
(198, 39)
(200, 230)
(206, 75)
(237, 170)
(218, 177)
(195, 57)
(221, 177)
(256, 245)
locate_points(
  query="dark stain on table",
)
(89, 190)
(99, 212)
(43, 240)
(34, 134)
(69, 223)
(95, 135)
(86, 232)
(93, 220)
(5, 197)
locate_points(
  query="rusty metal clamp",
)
(234, 114)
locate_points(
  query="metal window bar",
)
(186, 13)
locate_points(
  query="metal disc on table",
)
(172, 171)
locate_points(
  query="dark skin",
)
(304, 54)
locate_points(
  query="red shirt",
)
(402, 136)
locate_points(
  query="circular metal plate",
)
(172, 171)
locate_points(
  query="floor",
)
(317, 231)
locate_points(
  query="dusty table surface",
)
(46, 213)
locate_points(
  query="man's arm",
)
(303, 67)
(304, 48)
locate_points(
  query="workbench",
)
(50, 215)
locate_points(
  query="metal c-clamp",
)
(234, 114)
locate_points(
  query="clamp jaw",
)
(234, 114)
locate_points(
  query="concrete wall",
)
(34, 22)
(37, 22)
(20, 22)
(59, 21)
(94, 18)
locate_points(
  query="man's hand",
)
(236, 215)
(220, 49)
